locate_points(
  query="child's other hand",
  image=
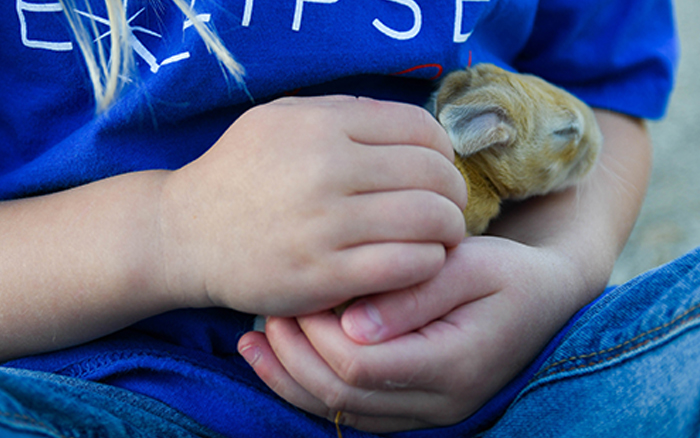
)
(304, 203)
(491, 293)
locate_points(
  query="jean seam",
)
(632, 345)
(25, 419)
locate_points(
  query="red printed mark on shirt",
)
(439, 69)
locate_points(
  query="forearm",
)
(286, 214)
(589, 224)
(79, 264)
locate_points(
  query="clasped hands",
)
(356, 198)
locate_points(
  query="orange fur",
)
(515, 135)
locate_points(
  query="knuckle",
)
(352, 372)
(435, 167)
(336, 399)
(277, 385)
(406, 267)
(420, 125)
(457, 227)
(440, 217)
(435, 214)
(448, 180)
(419, 115)
(413, 300)
(434, 135)
(307, 113)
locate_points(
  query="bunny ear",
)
(571, 128)
(472, 129)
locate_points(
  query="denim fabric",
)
(38, 404)
(7, 433)
(630, 366)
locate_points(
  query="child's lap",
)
(634, 348)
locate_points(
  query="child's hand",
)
(491, 294)
(305, 203)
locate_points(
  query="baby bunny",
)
(515, 135)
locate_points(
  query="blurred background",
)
(669, 224)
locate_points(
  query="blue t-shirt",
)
(616, 55)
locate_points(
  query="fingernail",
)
(251, 354)
(365, 322)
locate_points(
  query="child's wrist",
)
(177, 265)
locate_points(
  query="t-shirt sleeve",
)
(618, 55)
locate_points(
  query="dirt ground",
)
(669, 224)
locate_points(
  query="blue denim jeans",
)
(37, 404)
(629, 366)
